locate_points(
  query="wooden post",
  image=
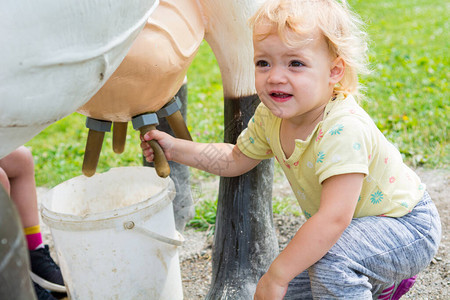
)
(245, 242)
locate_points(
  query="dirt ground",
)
(432, 283)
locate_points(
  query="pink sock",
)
(33, 236)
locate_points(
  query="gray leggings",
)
(371, 255)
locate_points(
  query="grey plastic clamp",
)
(98, 125)
(170, 108)
(144, 119)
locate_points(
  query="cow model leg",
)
(183, 205)
(245, 241)
(15, 281)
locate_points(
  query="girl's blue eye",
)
(296, 63)
(262, 63)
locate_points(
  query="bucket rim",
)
(110, 218)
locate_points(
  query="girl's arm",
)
(217, 158)
(316, 236)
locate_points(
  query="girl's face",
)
(295, 83)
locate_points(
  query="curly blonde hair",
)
(343, 30)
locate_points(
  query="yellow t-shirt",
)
(345, 141)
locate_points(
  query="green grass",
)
(408, 89)
(407, 97)
(205, 216)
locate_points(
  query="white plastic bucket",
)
(115, 235)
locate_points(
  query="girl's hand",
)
(269, 289)
(165, 140)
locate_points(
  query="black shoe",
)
(45, 272)
(41, 293)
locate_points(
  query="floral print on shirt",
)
(376, 197)
(307, 214)
(320, 156)
(319, 135)
(336, 129)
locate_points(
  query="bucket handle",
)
(176, 242)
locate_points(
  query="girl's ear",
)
(337, 70)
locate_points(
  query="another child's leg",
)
(375, 252)
(19, 167)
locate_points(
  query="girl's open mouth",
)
(280, 97)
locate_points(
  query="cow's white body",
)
(55, 55)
